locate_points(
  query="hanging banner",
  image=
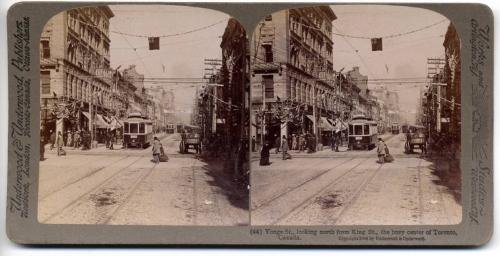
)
(376, 44)
(154, 43)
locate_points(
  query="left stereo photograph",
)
(143, 117)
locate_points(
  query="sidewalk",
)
(100, 149)
(343, 151)
(327, 151)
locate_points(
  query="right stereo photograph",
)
(355, 117)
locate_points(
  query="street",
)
(350, 188)
(124, 187)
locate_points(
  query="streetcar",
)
(137, 131)
(170, 128)
(395, 128)
(363, 133)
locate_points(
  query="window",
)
(45, 49)
(142, 128)
(45, 81)
(366, 129)
(268, 82)
(133, 128)
(268, 51)
(358, 130)
(125, 128)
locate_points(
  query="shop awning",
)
(99, 121)
(322, 123)
(310, 117)
(86, 114)
(115, 123)
(325, 125)
(340, 126)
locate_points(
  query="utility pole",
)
(212, 66)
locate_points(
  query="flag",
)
(377, 44)
(154, 43)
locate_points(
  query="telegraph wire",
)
(357, 52)
(383, 37)
(170, 35)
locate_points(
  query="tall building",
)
(365, 103)
(139, 102)
(389, 104)
(292, 71)
(75, 71)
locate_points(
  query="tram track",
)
(93, 188)
(289, 190)
(99, 186)
(357, 193)
(87, 175)
(127, 197)
(310, 199)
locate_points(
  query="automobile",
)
(190, 139)
(417, 139)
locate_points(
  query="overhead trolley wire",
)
(170, 35)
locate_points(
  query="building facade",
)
(292, 72)
(76, 78)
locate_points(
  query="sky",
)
(179, 56)
(405, 56)
(182, 56)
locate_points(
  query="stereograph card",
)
(250, 124)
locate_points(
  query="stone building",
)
(292, 71)
(75, 72)
(138, 103)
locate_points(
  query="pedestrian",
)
(65, 138)
(277, 143)
(163, 155)
(424, 146)
(253, 143)
(337, 139)
(106, 137)
(381, 150)
(52, 139)
(156, 150)
(332, 141)
(60, 144)
(264, 154)
(294, 142)
(69, 139)
(111, 140)
(408, 140)
(303, 142)
(310, 143)
(284, 148)
(76, 142)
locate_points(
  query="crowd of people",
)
(307, 143)
(76, 139)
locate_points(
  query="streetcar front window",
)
(358, 130)
(142, 128)
(366, 129)
(134, 128)
(125, 128)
